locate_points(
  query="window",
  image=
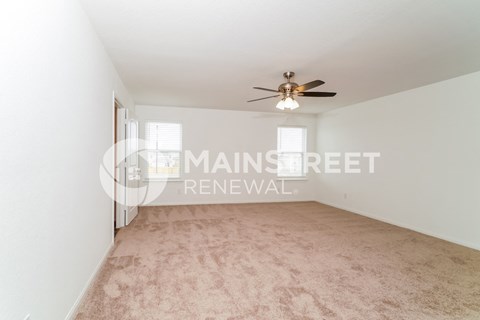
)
(291, 148)
(164, 149)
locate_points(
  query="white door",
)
(133, 169)
(128, 171)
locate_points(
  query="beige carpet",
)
(299, 260)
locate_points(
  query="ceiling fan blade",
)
(265, 89)
(316, 94)
(264, 98)
(309, 85)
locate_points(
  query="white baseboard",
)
(403, 225)
(73, 311)
(193, 203)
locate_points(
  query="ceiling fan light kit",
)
(287, 103)
(289, 89)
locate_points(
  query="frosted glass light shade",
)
(288, 103)
(295, 105)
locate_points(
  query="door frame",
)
(116, 105)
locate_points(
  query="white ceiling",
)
(210, 53)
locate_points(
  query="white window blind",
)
(291, 148)
(164, 149)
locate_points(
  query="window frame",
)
(178, 177)
(303, 153)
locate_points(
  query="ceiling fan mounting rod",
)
(288, 75)
(288, 87)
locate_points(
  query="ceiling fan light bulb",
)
(295, 105)
(288, 103)
(281, 105)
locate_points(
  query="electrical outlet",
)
(179, 191)
(27, 317)
(345, 196)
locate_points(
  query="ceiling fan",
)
(289, 89)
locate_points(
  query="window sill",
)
(292, 179)
(163, 180)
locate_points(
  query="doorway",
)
(126, 166)
(117, 136)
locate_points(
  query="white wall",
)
(56, 122)
(229, 132)
(56, 96)
(428, 176)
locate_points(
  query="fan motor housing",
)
(287, 87)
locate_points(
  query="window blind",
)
(163, 136)
(291, 139)
(291, 148)
(164, 145)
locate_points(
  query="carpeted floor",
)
(299, 260)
